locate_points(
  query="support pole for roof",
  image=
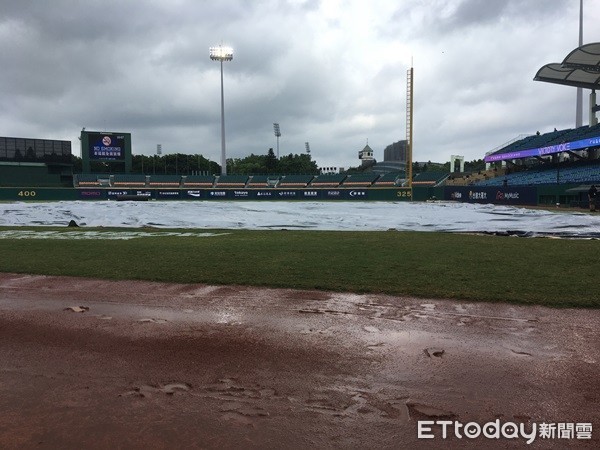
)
(579, 103)
(593, 109)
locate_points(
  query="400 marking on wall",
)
(27, 194)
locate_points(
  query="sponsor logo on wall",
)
(507, 195)
(477, 195)
(168, 194)
(518, 195)
(91, 193)
(117, 193)
(358, 194)
(287, 194)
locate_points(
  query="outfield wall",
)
(515, 195)
(508, 195)
(49, 194)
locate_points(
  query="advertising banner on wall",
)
(168, 194)
(238, 194)
(542, 151)
(499, 195)
(92, 194)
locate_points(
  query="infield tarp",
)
(307, 215)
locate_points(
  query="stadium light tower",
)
(277, 135)
(307, 147)
(221, 54)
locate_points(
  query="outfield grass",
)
(551, 272)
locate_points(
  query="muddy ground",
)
(154, 365)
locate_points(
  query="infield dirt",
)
(156, 365)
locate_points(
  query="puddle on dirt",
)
(147, 390)
(418, 411)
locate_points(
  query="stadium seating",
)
(329, 180)
(295, 180)
(360, 180)
(238, 181)
(171, 181)
(87, 179)
(432, 178)
(468, 178)
(197, 181)
(273, 180)
(258, 181)
(262, 181)
(129, 180)
(551, 138)
(575, 173)
(389, 179)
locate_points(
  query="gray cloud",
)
(331, 73)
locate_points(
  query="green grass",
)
(547, 272)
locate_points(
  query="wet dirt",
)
(162, 365)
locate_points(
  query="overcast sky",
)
(330, 72)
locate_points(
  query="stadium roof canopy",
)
(586, 57)
(581, 68)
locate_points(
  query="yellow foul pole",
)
(409, 127)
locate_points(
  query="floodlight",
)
(221, 53)
(277, 131)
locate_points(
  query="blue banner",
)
(565, 147)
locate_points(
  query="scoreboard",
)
(111, 148)
(106, 147)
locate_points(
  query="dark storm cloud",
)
(330, 72)
(477, 12)
(435, 18)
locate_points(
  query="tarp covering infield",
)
(306, 215)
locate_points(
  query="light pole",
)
(158, 153)
(221, 54)
(277, 135)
